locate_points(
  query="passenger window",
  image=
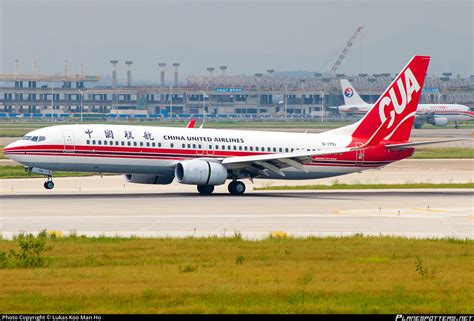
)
(286, 150)
(93, 142)
(274, 149)
(251, 148)
(245, 147)
(99, 142)
(199, 146)
(189, 145)
(256, 148)
(280, 149)
(111, 143)
(141, 143)
(116, 143)
(129, 143)
(194, 146)
(171, 145)
(134, 143)
(210, 146)
(269, 149)
(235, 147)
(217, 146)
(228, 147)
(152, 144)
(183, 145)
(34, 139)
(122, 143)
(159, 144)
(88, 142)
(292, 149)
(240, 147)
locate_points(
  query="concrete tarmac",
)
(110, 206)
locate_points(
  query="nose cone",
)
(13, 149)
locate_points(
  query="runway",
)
(109, 206)
(411, 213)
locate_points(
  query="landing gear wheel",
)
(205, 189)
(49, 185)
(236, 188)
(456, 125)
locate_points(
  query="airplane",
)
(434, 114)
(210, 157)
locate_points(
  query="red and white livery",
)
(209, 157)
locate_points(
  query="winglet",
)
(191, 123)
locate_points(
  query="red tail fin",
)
(396, 106)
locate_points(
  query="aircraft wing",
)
(274, 162)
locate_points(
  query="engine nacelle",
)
(440, 121)
(148, 179)
(200, 172)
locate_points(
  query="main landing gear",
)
(49, 183)
(235, 188)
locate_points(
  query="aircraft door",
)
(69, 145)
(359, 155)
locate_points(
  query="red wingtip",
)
(191, 123)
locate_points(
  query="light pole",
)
(171, 101)
(204, 95)
(80, 92)
(286, 98)
(322, 107)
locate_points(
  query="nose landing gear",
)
(49, 183)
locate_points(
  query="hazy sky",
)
(247, 36)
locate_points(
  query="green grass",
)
(444, 152)
(231, 275)
(365, 186)
(18, 171)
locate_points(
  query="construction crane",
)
(346, 49)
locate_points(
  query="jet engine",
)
(440, 121)
(148, 179)
(200, 172)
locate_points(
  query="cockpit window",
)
(34, 138)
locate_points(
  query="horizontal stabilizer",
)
(414, 144)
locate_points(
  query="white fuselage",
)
(452, 112)
(157, 150)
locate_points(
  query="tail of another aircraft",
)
(391, 118)
(351, 97)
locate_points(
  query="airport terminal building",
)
(261, 95)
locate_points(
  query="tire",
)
(205, 189)
(49, 185)
(236, 188)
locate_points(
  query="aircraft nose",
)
(10, 148)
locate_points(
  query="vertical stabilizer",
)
(351, 97)
(393, 114)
